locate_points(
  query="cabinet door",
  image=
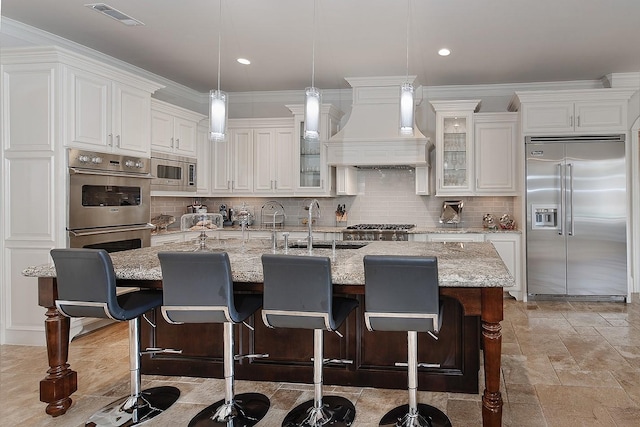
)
(601, 116)
(242, 161)
(89, 110)
(185, 136)
(547, 117)
(508, 247)
(495, 161)
(284, 160)
(161, 131)
(455, 161)
(221, 170)
(131, 120)
(264, 154)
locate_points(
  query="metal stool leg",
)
(243, 410)
(139, 406)
(321, 411)
(414, 414)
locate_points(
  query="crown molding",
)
(622, 80)
(506, 89)
(37, 37)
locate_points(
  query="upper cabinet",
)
(475, 152)
(106, 115)
(454, 149)
(572, 111)
(494, 149)
(313, 176)
(173, 129)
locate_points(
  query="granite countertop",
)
(330, 229)
(459, 264)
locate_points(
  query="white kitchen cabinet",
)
(173, 129)
(233, 163)
(52, 99)
(454, 147)
(508, 246)
(314, 176)
(106, 115)
(494, 152)
(572, 111)
(273, 155)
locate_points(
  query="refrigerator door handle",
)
(571, 227)
(562, 199)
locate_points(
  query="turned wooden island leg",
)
(60, 382)
(492, 315)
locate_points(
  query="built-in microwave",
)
(173, 173)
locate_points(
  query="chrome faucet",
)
(310, 237)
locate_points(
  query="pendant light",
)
(312, 96)
(218, 100)
(406, 92)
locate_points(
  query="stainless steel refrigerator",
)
(576, 216)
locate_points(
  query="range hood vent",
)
(371, 137)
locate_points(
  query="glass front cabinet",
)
(454, 147)
(314, 177)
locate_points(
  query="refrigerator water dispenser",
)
(544, 217)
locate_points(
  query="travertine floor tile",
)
(564, 364)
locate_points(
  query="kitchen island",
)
(472, 277)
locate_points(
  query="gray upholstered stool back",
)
(298, 292)
(197, 287)
(401, 293)
(86, 280)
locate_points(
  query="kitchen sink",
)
(325, 244)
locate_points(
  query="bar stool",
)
(87, 288)
(198, 288)
(402, 294)
(298, 293)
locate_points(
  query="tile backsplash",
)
(384, 196)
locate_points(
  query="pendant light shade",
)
(406, 91)
(217, 115)
(406, 109)
(218, 100)
(312, 114)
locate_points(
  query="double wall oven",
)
(109, 201)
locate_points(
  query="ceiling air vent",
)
(114, 13)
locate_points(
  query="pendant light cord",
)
(219, 42)
(313, 48)
(408, 19)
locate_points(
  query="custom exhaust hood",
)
(371, 137)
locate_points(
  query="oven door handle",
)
(76, 171)
(94, 231)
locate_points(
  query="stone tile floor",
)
(564, 364)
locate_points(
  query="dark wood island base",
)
(372, 354)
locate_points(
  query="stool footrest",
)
(155, 350)
(420, 365)
(250, 356)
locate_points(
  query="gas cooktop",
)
(394, 227)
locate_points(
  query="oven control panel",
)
(108, 162)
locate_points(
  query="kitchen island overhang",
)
(472, 277)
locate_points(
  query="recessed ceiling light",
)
(243, 61)
(444, 52)
(114, 13)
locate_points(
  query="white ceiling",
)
(492, 41)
